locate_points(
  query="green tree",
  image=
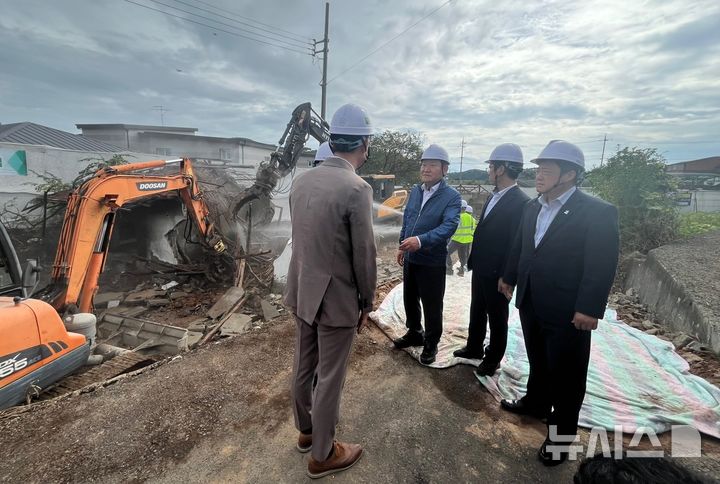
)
(636, 182)
(527, 176)
(395, 153)
(54, 184)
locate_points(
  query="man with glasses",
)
(493, 237)
(431, 217)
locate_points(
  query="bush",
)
(698, 223)
(396, 153)
(635, 181)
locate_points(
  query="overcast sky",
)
(644, 73)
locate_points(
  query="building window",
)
(225, 154)
(163, 151)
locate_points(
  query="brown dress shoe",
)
(343, 456)
(304, 443)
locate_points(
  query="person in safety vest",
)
(461, 240)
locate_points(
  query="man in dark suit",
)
(563, 262)
(493, 236)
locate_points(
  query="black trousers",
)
(559, 355)
(426, 284)
(487, 304)
(463, 251)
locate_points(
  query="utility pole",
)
(462, 151)
(162, 111)
(602, 156)
(324, 42)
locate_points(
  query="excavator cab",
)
(10, 275)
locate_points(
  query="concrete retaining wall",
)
(676, 301)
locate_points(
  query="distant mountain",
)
(468, 176)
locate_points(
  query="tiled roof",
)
(36, 134)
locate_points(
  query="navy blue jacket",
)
(433, 225)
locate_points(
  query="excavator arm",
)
(304, 122)
(90, 217)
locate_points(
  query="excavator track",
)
(124, 363)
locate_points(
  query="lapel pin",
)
(566, 212)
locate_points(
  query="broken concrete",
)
(680, 283)
(236, 324)
(193, 337)
(270, 312)
(177, 295)
(101, 299)
(131, 311)
(142, 296)
(158, 302)
(226, 302)
(134, 333)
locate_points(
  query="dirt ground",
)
(222, 414)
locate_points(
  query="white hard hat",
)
(323, 152)
(351, 119)
(463, 204)
(506, 152)
(558, 150)
(435, 152)
(469, 209)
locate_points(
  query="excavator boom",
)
(89, 220)
(304, 122)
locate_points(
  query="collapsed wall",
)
(680, 283)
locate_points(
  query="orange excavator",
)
(37, 346)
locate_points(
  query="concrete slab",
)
(101, 299)
(193, 337)
(270, 312)
(142, 296)
(236, 324)
(226, 302)
(158, 302)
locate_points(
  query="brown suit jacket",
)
(332, 273)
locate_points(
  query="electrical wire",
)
(248, 18)
(231, 26)
(386, 43)
(302, 42)
(216, 28)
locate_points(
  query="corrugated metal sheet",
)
(36, 134)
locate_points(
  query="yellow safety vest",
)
(465, 230)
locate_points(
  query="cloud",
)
(490, 72)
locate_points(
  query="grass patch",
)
(697, 223)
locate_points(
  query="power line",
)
(386, 43)
(248, 18)
(302, 42)
(216, 28)
(228, 25)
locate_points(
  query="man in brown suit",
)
(330, 286)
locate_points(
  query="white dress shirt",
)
(548, 212)
(496, 196)
(428, 192)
